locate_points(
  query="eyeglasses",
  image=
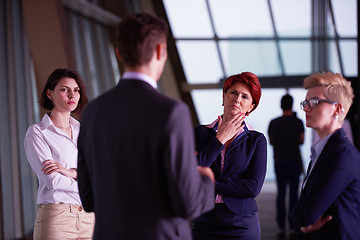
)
(313, 102)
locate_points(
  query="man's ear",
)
(117, 53)
(161, 50)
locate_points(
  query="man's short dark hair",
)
(137, 37)
(286, 102)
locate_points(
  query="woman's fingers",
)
(238, 121)
(227, 130)
(50, 167)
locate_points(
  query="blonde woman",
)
(329, 204)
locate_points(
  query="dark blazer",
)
(137, 168)
(244, 169)
(332, 188)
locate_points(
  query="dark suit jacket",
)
(137, 167)
(244, 169)
(332, 188)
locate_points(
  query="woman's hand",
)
(50, 166)
(228, 129)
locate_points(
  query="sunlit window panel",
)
(345, 13)
(292, 17)
(259, 57)
(349, 57)
(348, 51)
(268, 109)
(200, 61)
(188, 18)
(241, 18)
(330, 27)
(296, 57)
(208, 104)
(334, 63)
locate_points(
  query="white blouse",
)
(44, 141)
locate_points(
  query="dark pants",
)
(284, 178)
(222, 224)
(204, 236)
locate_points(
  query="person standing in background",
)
(137, 164)
(51, 149)
(286, 134)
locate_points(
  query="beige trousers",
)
(63, 221)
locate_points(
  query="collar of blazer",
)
(322, 159)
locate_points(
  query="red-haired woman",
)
(237, 157)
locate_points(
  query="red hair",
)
(248, 78)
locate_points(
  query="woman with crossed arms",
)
(51, 150)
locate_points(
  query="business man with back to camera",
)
(137, 167)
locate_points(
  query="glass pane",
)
(207, 103)
(89, 38)
(296, 56)
(348, 50)
(188, 18)
(334, 64)
(345, 17)
(349, 57)
(259, 57)
(269, 108)
(292, 17)
(241, 18)
(330, 27)
(208, 106)
(200, 60)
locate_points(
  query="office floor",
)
(267, 214)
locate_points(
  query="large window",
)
(272, 38)
(18, 98)
(94, 54)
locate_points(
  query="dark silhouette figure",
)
(286, 134)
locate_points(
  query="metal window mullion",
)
(276, 39)
(319, 37)
(216, 39)
(336, 38)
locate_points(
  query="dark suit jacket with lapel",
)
(244, 169)
(137, 167)
(332, 188)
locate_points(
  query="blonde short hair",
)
(337, 89)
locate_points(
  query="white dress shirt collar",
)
(46, 122)
(140, 76)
